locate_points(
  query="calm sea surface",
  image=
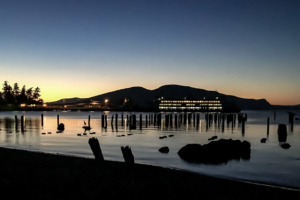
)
(269, 163)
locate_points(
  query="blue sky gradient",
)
(84, 48)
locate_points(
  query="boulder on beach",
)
(263, 140)
(216, 152)
(213, 138)
(164, 150)
(285, 146)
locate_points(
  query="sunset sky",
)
(71, 48)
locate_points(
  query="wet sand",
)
(48, 176)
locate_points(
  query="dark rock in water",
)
(164, 150)
(295, 119)
(213, 138)
(216, 152)
(285, 146)
(122, 135)
(79, 134)
(162, 137)
(171, 135)
(61, 127)
(263, 140)
(86, 127)
(49, 132)
(129, 134)
(84, 134)
(43, 133)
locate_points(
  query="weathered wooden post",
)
(127, 121)
(102, 121)
(171, 120)
(154, 119)
(16, 122)
(268, 123)
(147, 120)
(122, 118)
(22, 123)
(105, 121)
(42, 119)
(130, 120)
(243, 125)
(291, 120)
(57, 120)
(95, 146)
(127, 155)
(141, 122)
(89, 121)
(223, 123)
(134, 121)
(184, 119)
(175, 120)
(112, 120)
(116, 123)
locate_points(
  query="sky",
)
(71, 48)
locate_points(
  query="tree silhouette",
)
(36, 93)
(16, 90)
(13, 95)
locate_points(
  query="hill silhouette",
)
(144, 98)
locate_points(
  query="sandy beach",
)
(46, 176)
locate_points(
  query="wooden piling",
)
(22, 123)
(16, 122)
(141, 122)
(57, 120)
(102, 121)
(89, 121)
(116, 122)
(112, 120)
(122, 120)
(223, 123)
(42, 119)
(105, 121)
(147, 120)
(243, 125)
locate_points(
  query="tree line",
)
(15, 95)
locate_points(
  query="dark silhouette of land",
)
(35, 175)
(140, 97)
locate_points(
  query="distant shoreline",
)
(49, 176)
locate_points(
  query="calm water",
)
(269, 163)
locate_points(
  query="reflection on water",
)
(145, 142)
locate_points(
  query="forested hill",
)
(144, 98)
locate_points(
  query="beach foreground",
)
(47, 176)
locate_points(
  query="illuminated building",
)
(203, 105)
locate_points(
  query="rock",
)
(79, 134)
(213, 138)
(295, 119)
(216, 152)
(61, 127)
(164, 150)
(49, 132)
(171, 135)
(86, 127)
(162, 137)
(122, 135)
(285, 146)
(129, 134)
(263, 140)
(43, 133)
(84, 134)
